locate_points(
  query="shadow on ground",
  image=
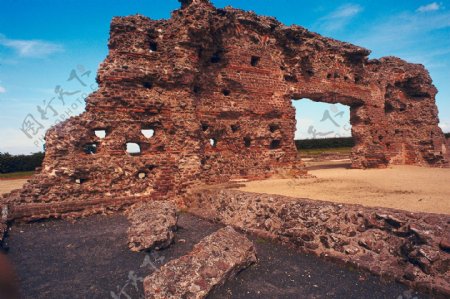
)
(89, 258)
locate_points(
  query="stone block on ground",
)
(152, 224)
(216, 258)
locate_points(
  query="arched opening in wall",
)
(133, 149)
(153, 46)
(100, 133)
(80, 181)
(323, 131)
(247, 141)
(90, 148)
(148, 132)
(213, 142)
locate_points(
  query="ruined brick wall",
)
(411, 248)
(226, 77)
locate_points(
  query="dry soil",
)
(7, 185)
(411, 188)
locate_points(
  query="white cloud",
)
(445, 126)
(429, 7)
(31, 48)
(339, 18)
(403, 31)
(2, 89)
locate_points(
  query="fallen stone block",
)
(152, 225)
(216, 258)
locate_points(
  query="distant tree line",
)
(14, 163)
(324, 143)
(330, 142)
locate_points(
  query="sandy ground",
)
(9, 185)
(409, 188)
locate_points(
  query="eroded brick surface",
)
(216, 258)
(3, 222)
(152, 224)
(412, 248)
(215, 88)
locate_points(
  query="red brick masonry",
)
(215, 86)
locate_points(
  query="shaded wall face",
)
(226, 76)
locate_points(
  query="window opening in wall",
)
(213, 142)
(216, 57)
(100, 133)
(90, 148)
(147, 84)
(255, 60)
(153, 46)
(323, 126)
(273, 127)
(80, 181)
(275, 144)
(133, 148)
(148, 133)
(247, 141)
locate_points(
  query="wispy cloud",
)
(31, 48)
(2, 89)
(429, 7)
(403, 30)
(338, 18)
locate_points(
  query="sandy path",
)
(9, 185)
(401, 187)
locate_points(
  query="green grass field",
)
(16, 175)
(321, 151)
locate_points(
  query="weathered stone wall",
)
(412, 248)
(226, 77)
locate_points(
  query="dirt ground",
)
(7, 185)
(411, 188)
(89, 258)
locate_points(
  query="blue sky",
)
(45, 43)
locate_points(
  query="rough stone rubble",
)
(3, 223)
(152, 225)
(412, 248)
(216, 258)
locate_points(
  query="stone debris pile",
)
(412, 248)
